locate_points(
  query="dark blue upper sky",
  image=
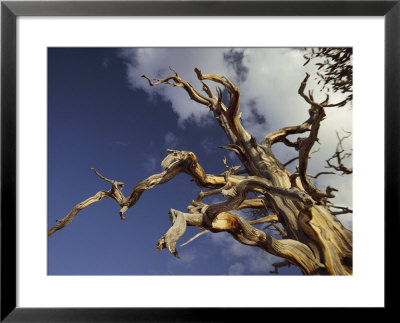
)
(96, 120)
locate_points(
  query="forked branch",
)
(339, 156)
(175, 163)
(114, 193)
(228, 117)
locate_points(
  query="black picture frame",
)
(10, 10)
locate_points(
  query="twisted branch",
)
(228, 117)
(339, 155)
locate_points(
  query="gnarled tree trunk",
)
(311, 237)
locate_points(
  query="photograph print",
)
(200, 161)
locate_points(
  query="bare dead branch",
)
(175, 80)
(257, 203)
(343, 209)
(321, 173)
(241, 172)
(290, 161)
(235, 148)
(302, 88)
(297, 157)
(228, 185)
(174, 163)
(194, 237)
(114, 193)
(178, 228)
(228, 117)
(231, 169)
(340, 155)
(317, 114)
(280, 230)
(279, 265)
(266, 219)
(79, 207)
(231, 114)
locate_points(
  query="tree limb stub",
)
(178, 228)
(194, 237)
(279, 265)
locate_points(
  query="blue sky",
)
(101, 114)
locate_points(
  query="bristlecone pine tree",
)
(311, 237)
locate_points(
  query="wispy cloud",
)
(171, 140)
(236, 269)
(105, 62)
(187, 257)
(151, 164)
(247, 259)
(186, 260)
(207, 145)
(122, 143)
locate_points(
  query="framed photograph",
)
(222, 134)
